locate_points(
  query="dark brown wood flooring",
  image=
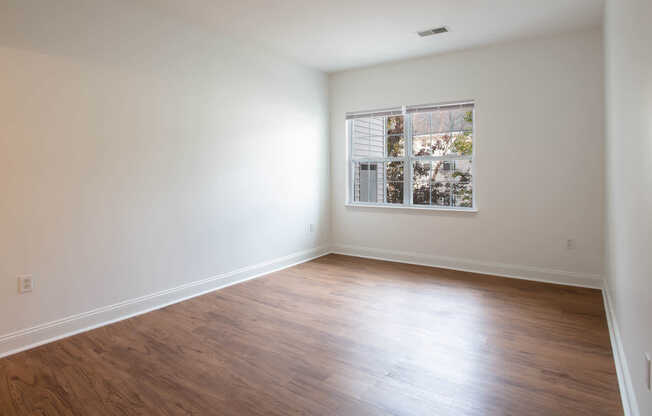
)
(336, 336)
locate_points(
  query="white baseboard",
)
(627, 394)
(51, 331)
(563, 277)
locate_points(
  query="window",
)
(418, 156)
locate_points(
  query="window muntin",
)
(415, 156)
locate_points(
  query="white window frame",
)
(408, 160)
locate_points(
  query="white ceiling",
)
(333, 35)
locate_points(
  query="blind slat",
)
(435, 107)
(375, 113)
(397, 111)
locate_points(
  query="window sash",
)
(409, 159)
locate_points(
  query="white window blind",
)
(418, 156)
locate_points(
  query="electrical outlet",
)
(570, 244)
(25, 283)
(648, 372)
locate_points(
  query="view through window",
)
(413, 156)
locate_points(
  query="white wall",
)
(539, 159)
(628, 36)
(138, 154)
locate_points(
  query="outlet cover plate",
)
(25, 283)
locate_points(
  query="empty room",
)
(352, 208)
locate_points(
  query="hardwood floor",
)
(336, 336)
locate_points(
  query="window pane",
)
(394, 171)
(360, 147)
(368, 126)
(442, 144)
(452, 183)
(394, 188)
(452, 171)
(421, 183)
(462, 171)
(360, 127)
(395, 146)
(452, 120)
(463, 195)
(452, 128)
(463, 144)
(467, 119)
(394, 192)
(395, 125)
(367, 147)
(441, 194)
(421, 145)
(420, 123)
(445, 144)
(443, 171)
(367, 139)
(368, 182)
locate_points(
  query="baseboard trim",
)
(28, 338)
(628, 397)
(538, 274)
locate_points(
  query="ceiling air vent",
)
(434, 31)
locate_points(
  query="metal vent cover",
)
(434, 31)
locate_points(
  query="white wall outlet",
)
(25, 283)
(570, 244)
(648, 372)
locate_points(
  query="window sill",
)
(415, 208)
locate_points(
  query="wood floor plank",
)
(336, 336)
